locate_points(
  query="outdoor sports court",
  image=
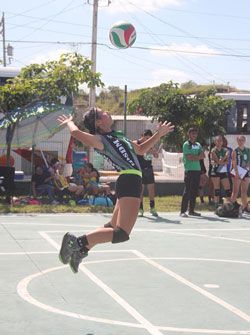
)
(175, 276)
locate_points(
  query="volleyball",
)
(122, 35)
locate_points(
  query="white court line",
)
(147, 230)
(212, 237)
(163, 231)
(27, 253)
(123, 303)
(48, 224)
(22, 253)
(23, 293)
(186, 282)
(22, 290)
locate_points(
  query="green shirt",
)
(242, 157)
(191, 149)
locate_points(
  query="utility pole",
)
(6, 50)
(2, 31)
(92, 91)
(125, 110)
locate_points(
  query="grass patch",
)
(162, 204)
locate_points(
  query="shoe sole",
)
(64, 260)
(73, 269)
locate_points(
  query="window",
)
(242, 112)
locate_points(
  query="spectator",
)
(219, 175)
(241, 166)
(91, 181)
(148, 178)
(53, 166)
(40, 183)
(63, 186)
(229, 164)
(192, 154)
(203, 181)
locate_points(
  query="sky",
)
(206, 41)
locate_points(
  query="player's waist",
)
(131, 171)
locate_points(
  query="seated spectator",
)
(40, 183)
(53, 166)
(62, 185)
(91, 181)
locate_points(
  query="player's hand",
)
(165, 128)
(63, 119)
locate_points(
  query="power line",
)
(49, 19)
(33, 8)
(136, 47)
(194, 67)
(236, 39)
(173, 26)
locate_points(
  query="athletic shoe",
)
(141, 212)
(69, 245)
(246, 211)
(194, 214)
(184, 215)
(76, 259)
(153, 212)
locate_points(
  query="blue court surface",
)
(174, 276)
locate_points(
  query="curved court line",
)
(25, 295)
(22, 290)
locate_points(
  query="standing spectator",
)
(148, 178)
(203, 181)
(241, 166)
(192, 154)
(219, 174)
(40, 182)
(229, 164)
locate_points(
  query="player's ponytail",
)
(89, 120)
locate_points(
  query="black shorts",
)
(222, 175)
(213, 173)
(128, 185)
(148, 176)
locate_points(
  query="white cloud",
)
(135, 5)
(164, 75)
(201, 50)
(49, 56)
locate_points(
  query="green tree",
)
(168, 102)
(165, 102)
(46, 82)
(209, 113)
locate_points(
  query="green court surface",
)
(174, 276)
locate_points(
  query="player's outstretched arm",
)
(86, 138)
(163, 129)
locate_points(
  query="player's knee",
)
(119, 235)
(217, 192)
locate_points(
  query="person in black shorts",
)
(122, 153)
(218, 171)
(148, 178)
